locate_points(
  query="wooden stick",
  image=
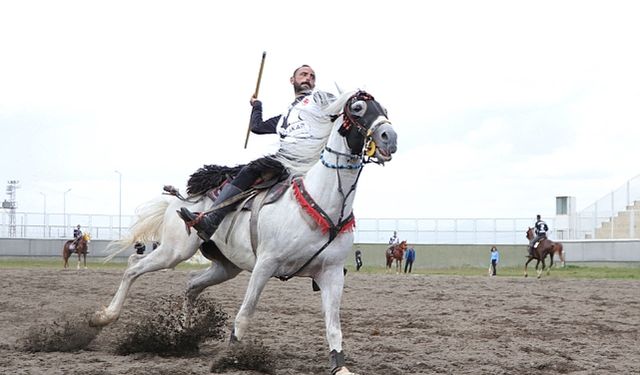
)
(255, 95)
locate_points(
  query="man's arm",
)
(257, 125)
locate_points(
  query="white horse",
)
(308, 239)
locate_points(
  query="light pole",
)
(44, 215)
(64, 210)
(119, 204)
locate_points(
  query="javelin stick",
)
(255, 95)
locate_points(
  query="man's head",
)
(538, 217)
(78, 226)
(303, 80)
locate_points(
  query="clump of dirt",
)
(250, 355)
(168, 332)
(66, 336)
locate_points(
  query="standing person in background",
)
(358, 259)
(409, 257)
(495, 258)
(140, 248)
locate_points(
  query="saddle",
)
(266, 191)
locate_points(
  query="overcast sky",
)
(500, 106)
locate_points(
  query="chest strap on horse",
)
(321, 218)
(317, 213)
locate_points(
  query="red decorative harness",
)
(317, 213)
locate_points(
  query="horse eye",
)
(358, 108)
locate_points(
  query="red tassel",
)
(324, 225)
(348, 227)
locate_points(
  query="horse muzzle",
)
(384, 143)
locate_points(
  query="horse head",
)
(529, 234)
(367, 129)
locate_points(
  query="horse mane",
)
(337, 106)
(300, 156)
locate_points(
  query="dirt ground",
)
(392, 324)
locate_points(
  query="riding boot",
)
(207, 224)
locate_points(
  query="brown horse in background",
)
(81, 249)
(545, 247)
(396, 252)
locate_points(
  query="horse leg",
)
(220, 271)
(169, 254)
(259, 277)
(550, 265)
(525, 267)
(331, 282)
(540, 271)
(79, 258)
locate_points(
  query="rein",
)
(317, 213)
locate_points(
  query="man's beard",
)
(302, 88)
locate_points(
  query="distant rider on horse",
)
(393, 242)
(297, 137)
(77, 235)
(540, 228)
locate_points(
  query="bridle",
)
(358, 129)
(363, 123)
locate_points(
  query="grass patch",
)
(630, 270)
(570, 271)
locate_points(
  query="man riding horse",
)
(296, 138)
(77, 235)
(540, 228)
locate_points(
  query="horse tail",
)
(560, 252)
(147, 227)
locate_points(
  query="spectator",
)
(495, 258)
(358, 259)
(139, 247)
(409, 257)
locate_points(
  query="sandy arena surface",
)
(392, 324)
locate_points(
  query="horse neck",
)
(324, 182)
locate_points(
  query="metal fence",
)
(53, 225)
(614, 216)
(368, 230)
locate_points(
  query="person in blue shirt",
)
(409, 257)
(495, 258)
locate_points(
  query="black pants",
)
(358, 264)
(259, 168)
(408, 264)
(493, 267)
